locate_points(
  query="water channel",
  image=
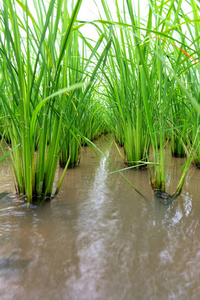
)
(99, 239)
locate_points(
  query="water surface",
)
(99, 239)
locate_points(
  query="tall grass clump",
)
(124, 89)
(82, 108)
(47, 84)
(147, 61)
(159, 83)
(193, 73)
(32, 53)
(32, 61)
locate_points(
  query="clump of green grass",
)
(47, 91)
(128, 120)
(32, 64)
(54, 98)
(82, 109)
(146, 61)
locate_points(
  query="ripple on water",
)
(100, 240)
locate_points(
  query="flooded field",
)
(99, 239)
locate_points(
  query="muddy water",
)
(99, 239)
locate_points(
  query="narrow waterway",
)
(99, 239)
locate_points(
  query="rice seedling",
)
(165, 90)
(193, 74)
(164, 108)
(31, 75)
(82, 110)
(45, 95)
(124, 91)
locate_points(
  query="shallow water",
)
(99, 239)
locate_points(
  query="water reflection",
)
(100, 240)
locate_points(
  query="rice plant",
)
(124, 91)
(44, 95)
(59, 89)
(32, 65)
(82, 110)
(156, 63)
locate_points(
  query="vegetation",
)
(35, 95)
(60, 90)
(146, 89)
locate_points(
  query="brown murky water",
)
(99, 239)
